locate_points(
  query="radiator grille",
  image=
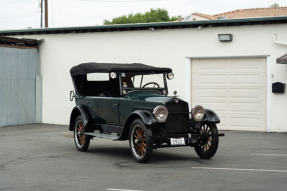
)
(178, 117)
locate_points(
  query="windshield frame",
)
(161, 90)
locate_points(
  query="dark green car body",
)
(108, 109)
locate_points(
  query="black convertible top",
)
(93, 67)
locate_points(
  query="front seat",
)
(105, 94)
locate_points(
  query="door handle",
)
(115, 104)
(88, 102)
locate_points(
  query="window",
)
(98, 77)
(187, 18)
(140, 80)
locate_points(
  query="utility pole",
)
(46, 13)
(41, 13)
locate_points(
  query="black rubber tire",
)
(207, 147)
(141, 146)
(82, 141)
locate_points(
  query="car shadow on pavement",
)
(158, 156)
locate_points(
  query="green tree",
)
(275, 5)
(154, 15)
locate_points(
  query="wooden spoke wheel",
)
(208, 144)
(82, 141)
(141, 145)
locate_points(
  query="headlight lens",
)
(160, 113)
(198, 113)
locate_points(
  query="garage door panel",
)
(241, 122)
(230, 94)
(247, 108)
(248, 93)
(247, 122)
(218, 107)
(248, 65)
(212, 79)
(210, 66)
(209, 79)
(210, 93)
(247, 79)
(223, 125)
(235, 89)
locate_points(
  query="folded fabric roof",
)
(93, 67)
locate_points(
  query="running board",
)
(112, 136)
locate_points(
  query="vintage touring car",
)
(131, 102)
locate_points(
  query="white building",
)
(233, 78)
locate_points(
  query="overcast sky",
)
(21, 14)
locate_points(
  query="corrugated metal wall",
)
(18, 71)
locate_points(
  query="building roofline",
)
(203, 15)
(149, 26)
(247, 10)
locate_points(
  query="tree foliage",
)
(275, 5)
(154, 15)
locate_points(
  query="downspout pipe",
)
(277, 42)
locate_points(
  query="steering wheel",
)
(154, 84)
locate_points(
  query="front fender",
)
(145, 116)
(78, 110)
(211, 116)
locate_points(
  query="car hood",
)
(148, 100)
(148, 96)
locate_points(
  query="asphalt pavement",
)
(44, 157)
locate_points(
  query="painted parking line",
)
(278, 155)
(239, 169)
(116, 189)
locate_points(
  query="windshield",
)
(142, 80)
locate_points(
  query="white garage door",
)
(234, 88)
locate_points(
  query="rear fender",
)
(78, 110)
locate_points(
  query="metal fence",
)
(19, 69)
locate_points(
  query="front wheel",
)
(82, 141)
(207, 145)
(141, 145)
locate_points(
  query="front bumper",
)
(190, 139)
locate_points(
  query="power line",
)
(16, 1)
(17, 17)
(119, 1)
(8, 5)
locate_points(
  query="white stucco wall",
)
(167, 48)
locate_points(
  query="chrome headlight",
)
(160, 113)
(198, 113)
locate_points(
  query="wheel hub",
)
(80, 133)
(204, 140)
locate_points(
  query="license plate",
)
(178, 141)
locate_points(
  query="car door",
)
(108, 108)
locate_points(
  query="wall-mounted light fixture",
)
(225, 37)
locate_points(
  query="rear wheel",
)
(82, 141)
(207, 146)
(141, 145)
